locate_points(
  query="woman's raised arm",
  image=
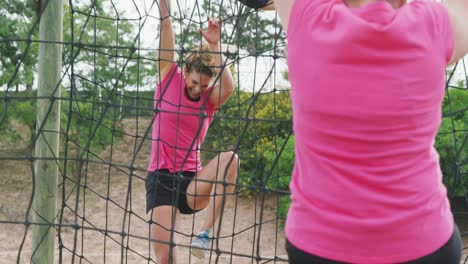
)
(167, 41)
(458, 13)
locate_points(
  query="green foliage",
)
(20, 108)
(283, 207)
(105, 64)
(138, 103)
(16, 27)
(282, 162)
(279, 157)
(88, 128)
(87, 125)
(452, 142)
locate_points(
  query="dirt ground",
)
(111, 201)
(239, 236)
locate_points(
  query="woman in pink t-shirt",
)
(185, 104)
(368, 80)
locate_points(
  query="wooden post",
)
(48, 128)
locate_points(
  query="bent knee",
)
(231, 161)
(228, 156)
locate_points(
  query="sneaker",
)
(200, 245)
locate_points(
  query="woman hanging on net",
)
(367, 83)
(185, 102)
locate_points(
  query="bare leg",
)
(161, 228)
(203, 191)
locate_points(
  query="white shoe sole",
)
(197, 251)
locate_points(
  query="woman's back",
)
(367, 86)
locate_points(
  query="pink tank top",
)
(179, 126)
(367, 87)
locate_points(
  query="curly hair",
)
(202, 61)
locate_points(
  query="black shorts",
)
(449, 253)
(166, 188)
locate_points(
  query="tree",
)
(104, 51)
(249, 33)
(101, 47)
(18, 56)
(105, 63)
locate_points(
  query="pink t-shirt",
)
(367, 87)
(179, 126)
